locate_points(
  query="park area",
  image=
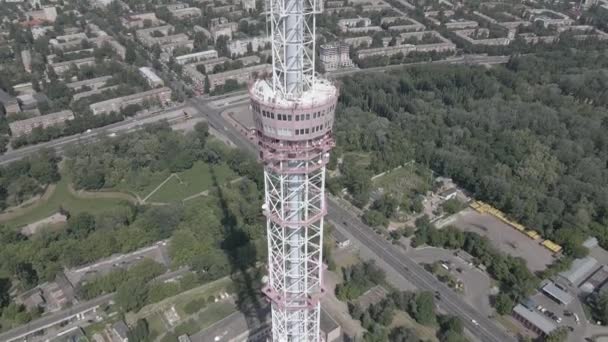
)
(61, 195)
(163, 188)
(188, 184)
(408, 180)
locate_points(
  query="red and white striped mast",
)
(293, 113)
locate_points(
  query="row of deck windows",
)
(300, 131)
(288, 117)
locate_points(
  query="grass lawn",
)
(156, 325)
(402, 319)
(62, 197)
(363, 159)
(403, 180)
(144, 183)
(209, 315)
(195, 180)
(181, 299)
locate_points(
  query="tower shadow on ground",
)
(244, 272)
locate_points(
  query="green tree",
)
(81, 225)
(132, 295)
(140, 332)
(425, 308)
(558, 335)
(503, 304)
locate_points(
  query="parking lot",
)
(477, 284)
(504, 237)
(560, 315)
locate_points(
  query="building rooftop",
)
(560, 295)
(120, 328)
(579, 270)
(150, 75)
(535, 318)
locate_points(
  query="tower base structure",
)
(294, 138)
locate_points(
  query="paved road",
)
(122, 126)
(485, 329)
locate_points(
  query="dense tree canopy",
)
(528, 137)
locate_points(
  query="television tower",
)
(293, 113)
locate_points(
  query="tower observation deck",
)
(293, 114)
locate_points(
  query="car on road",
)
(474, 322)
(578, 321)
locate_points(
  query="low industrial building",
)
(557, 294)
(24, 127)
(151, 77)
(596, 281)
(161, 95)
(580, 269)
(533, 320)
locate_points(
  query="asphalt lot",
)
(477, 284)
(504, 237)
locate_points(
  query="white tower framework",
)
(293, 112)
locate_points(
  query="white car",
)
(474, 322)
(578, 321)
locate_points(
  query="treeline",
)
(25, 178)
(156, 148)
(136, 287)
(357, 279)
(528, 137)
(378, 318)
(515, 280)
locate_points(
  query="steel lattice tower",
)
(293, 114)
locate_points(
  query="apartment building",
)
(162, 95)
(24, 127)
